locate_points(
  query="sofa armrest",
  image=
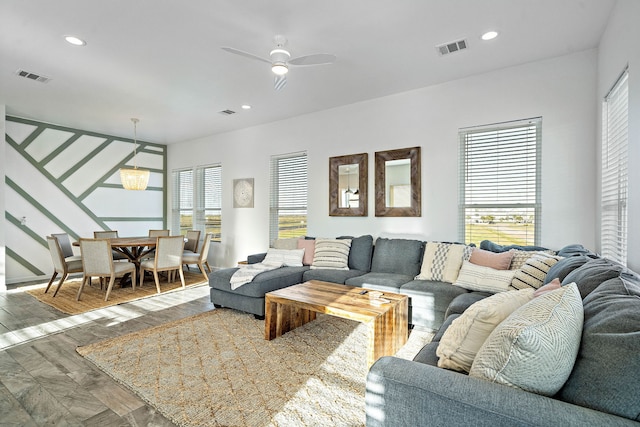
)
(406, 393)
(256, 258)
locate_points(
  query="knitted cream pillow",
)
(535, 348)
(331, 253)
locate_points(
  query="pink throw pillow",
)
(309, 247)
(497, 261)
(551, 286)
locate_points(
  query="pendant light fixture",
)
(134, 179)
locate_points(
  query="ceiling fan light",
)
(279, 68)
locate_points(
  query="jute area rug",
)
(216, 369)
(93, 297)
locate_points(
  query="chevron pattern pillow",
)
(535, 348)
(442, 261)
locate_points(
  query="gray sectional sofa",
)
(603, 388)
(390, 266)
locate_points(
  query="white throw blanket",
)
(246, 273)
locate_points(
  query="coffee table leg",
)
(388, 333)
(270, 318)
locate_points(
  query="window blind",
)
(500, 183)
(615, 119)
(182, 211)
(211, 201)
(288, 196)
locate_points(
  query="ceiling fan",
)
(280, 60)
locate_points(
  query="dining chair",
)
(97, 261)
(199, 258)
(60, 264)
(65, 245)
(193, 238)
(168, 257)
(110, 234)
(157, 233)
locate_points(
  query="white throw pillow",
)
(466, 334)
(442, 261)
(479, 278)
(331, 253)
(535, 348)
(286, 257)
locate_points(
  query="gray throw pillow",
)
(398, 256)
(606, 375)
(562, 268)
(592, 274)
(361, 251)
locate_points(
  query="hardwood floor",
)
(43, 381)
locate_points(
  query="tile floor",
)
(43, 381)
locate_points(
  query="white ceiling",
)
(160, 60)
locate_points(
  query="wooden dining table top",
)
(122, 242)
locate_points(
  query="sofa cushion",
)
(499, 261)
(309, 246)
(427, 354)
(606, 376)
(594, 272)
(397, 256)
(575, 250)
(361, 252)
(462, 340)
(429, 300)
(331, 275)
(487, 279)
(388, 282)
(264, 282)
(562, 268)
(535, 348)
(442, 261)
(331, 253)
(463, 301)
(533, 271)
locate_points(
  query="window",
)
(615, 119)
(500, 183)
(197, 202)
(288, 204)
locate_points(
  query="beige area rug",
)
(216, 369)
(92, 296)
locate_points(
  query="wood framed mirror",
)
(348, 185)
(398, 184)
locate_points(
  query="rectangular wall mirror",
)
(398, 183)
(348, 185)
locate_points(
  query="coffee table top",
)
(331, 298)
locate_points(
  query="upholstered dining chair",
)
(65, 245)
(60, 264)
(110, 234)
(97, 261)
(199, 258)
(168, 257)
(193, 238)
(156, 233)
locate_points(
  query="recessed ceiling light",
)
(490, 35)
(246, 107)
(75, 40)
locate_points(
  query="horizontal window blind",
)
(182, 210)
(211, 201)
(500, 183)
(615, 119)
(288, 196)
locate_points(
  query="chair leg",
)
(181, 277)
(64, 277)
(155, 276)
(133, 280)
(55, 273)
(84, 280)
(208, 266)
(112, 280)
(141, 276)
(201, 266)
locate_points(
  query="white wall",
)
(619, 48)
(561, 90)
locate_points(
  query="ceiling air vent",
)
(447, 48)
(33, 76)
(227, 112)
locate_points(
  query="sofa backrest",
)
(398, 256)
(361, 252)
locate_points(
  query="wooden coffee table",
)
(288, 308)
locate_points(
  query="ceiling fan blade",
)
(245, 54)
(315, 59)
(280, 82)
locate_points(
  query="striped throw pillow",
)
(481, 278)
(533, 271)
(331, 253)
